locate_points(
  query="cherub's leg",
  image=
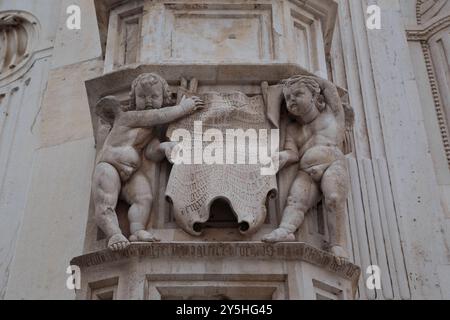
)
(138, 193)
(304, 194)
(335, 185)
(105, 190)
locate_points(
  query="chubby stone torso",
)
(123, 148)
(327, 129)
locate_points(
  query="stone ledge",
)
(288, 251)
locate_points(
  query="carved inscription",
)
(193, 187)
(224, 250)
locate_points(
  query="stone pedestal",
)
(216, 270)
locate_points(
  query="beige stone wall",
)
(428, 28)
(21, 92)
(396, 214)
(45, 201)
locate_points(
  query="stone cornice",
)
(289, 251)
(425, 32)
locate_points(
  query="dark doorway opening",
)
(221, 215)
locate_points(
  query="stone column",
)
(399, 192)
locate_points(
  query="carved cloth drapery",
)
(193, 188)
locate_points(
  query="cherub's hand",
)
(172, 151)
(192, 104)
(283, 158)
(187, 103)
(199, 104)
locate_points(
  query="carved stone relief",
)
(120, 168)
(313, 140)
(433, 19)
(428, 9)
(17, 34)
(194, 187)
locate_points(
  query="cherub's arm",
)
(290, 153)
(331, 95)
(150, 118)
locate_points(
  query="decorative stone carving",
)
(192, 188)
(314, 142)
(225, 250)
(17, 35)
(160, 273)
(433, 24)
(428, 9)
(119, 171)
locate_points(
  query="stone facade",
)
(397, 153)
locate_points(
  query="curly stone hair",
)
(312, 84)
(152, 79)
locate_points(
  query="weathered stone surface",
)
(217, 268)
(224, 250)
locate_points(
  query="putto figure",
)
(314, 140)
(118, 171)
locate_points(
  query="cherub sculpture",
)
(313, 141)
(119, 172)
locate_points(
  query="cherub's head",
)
(302, 94)
(149, 91)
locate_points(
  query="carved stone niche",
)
(18, 35)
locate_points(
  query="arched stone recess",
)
(19, 34)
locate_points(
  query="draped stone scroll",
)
(192, 188)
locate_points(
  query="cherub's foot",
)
(143, 236)
(118, 242)
(340, 253)
(279, 235)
